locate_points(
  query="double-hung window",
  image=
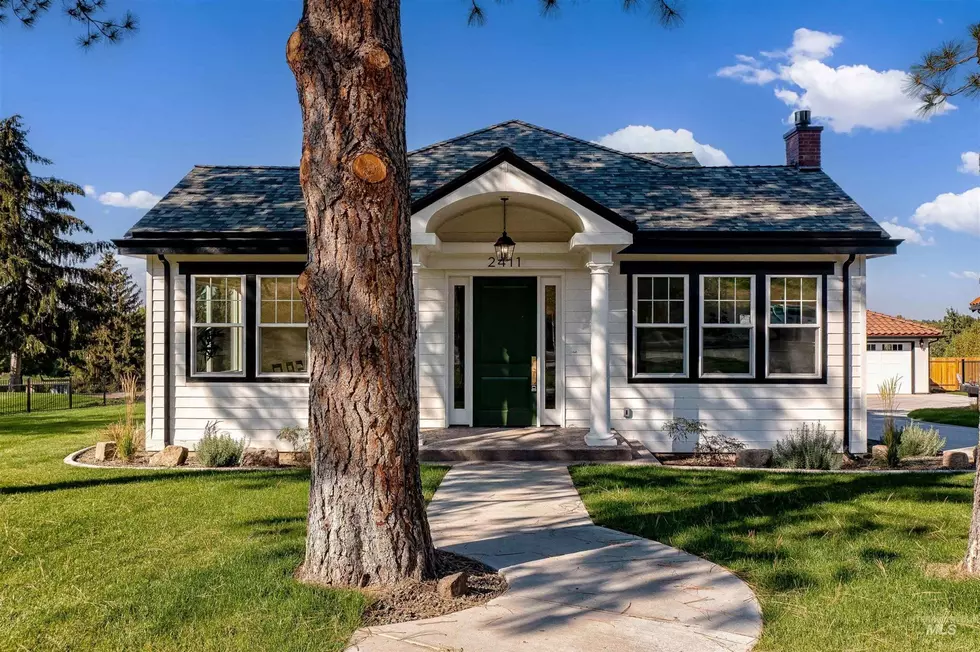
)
(218, 325)
(727, 326)
(660, 326)
(282, 337)
(793, 328)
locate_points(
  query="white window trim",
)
(685, 327)
(194, 323)
(818, 326)
(751, 328)
(258, 334)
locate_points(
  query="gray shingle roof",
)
(658, 192)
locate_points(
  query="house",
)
(642, 288)
(899, 347)
(975, 305)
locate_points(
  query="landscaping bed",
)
(852, 463)
(142, 460)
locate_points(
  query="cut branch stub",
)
(368, 167)
(293, 46)
(303, 281)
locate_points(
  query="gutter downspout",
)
(168, 311)
(848, 353)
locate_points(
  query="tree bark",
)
(16, 376)
(971, 562)
(366, 522)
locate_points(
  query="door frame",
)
(464, 417)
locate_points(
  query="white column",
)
(416, 266)
(600, 432)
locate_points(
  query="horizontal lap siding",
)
(433, 347)
(758, 414)
(578, 370)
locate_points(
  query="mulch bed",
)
(418, 600)
(142, 459)
(863, 462)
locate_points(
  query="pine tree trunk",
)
(367, 522)
(16, 377)
(971, 563)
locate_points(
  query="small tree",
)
(953, 69)
(42, 273)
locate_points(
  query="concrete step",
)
(619, 453)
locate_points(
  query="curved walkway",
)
(573, 585)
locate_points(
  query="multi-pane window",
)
(889, 347)
(550, 346)
(217, 325)
(727, 325)
(793, 330)
(282, 336)
(660, 326)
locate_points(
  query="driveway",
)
(956, 436)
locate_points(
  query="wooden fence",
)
(943, 372)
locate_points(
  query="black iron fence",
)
(44, 395)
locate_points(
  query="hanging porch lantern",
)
(504, 246)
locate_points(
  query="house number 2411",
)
(495, 263)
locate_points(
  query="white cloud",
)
(907, 233)
(138, 199)
(642, 138)
(956, 212)
(89, 190)
(973, 276)
(846, 97)
(969, 163)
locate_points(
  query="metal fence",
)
(46, 395)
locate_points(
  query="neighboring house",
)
(643, 288)
(975, 305)
(899, 347)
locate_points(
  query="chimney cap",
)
(802, 118)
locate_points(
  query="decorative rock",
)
(753, 458)
(169, 456)
(957, 460)
(105, 451)
(453, 586)
(260, 457)
(301, 458)
(879, 453)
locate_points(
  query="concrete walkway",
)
(572, 585)
(957, 437)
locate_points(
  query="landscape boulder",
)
(753, 458)
(105, 451)
(301, 458)
(169, 456)
(957, 460)
(260, 457)
(879, 453)
(453, 586)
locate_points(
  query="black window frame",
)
(251, 271)
(760, 271)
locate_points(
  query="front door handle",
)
(534, 373)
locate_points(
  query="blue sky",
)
(205, 82)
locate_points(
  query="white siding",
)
(758, 414)
(578, 371)
(433, 347)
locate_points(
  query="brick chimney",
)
(803, 143)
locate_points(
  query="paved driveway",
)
(956, 436)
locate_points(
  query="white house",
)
(642, 287)
(899, 348)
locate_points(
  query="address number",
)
(494, 263)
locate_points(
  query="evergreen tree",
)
(112, 342)
(42, 278)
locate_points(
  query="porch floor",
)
(534, 444)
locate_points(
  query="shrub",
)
(917, 441)
(218, 448)
(129, 439)
(298, 438)
(809, 447)
(706, 444)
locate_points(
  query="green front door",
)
(504, 344)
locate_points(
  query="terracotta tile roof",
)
(880, 325)
(975, 304)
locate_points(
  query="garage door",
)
(886, 360)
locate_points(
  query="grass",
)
(954, 416)
(128, 559)
(838, 561)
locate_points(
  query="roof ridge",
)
(466, 135)
(249, 167)
(629, 155)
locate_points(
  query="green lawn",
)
(838, 561)
(955, 416)
(112, 560)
